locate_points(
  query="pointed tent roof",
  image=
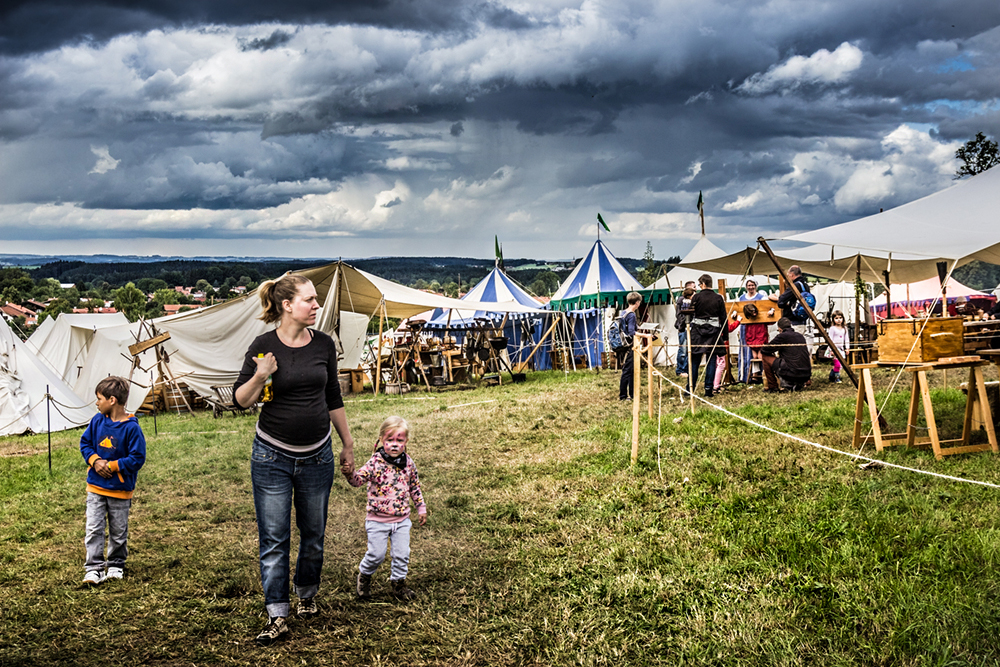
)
(598, 273)
(496, 287)
(703, 250)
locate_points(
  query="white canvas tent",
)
(24, 382)
(64, 341)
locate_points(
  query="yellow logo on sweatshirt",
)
(106, 443)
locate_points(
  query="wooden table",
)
(920, 393)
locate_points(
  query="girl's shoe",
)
(364, 585)
(400, 591)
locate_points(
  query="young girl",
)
(392, 481)
(839, 336)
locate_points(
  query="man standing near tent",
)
(626, 358)
(707, 324)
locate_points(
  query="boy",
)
(626, 357)
(114, 448)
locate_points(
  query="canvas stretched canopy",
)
(25, 381)
(957, 225)
(704, 250)
(836, 263)
(361, 292)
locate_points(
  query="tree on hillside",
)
(130, 301)
(650, 271)
(165, 296)
(54, 309)
(977, 155)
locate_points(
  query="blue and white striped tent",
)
(599, 280)
(494, 288)
(521, 329)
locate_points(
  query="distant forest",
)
(430, 272)
(412, 271)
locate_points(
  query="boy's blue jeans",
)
(113, 512)
(378, 535)
(279, 481)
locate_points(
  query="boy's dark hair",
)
(784, 324)
(705, 280)
(113, 387)
(633, 297)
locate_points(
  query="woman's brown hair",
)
(273, 293)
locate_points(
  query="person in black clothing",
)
(292, 462)
(787, 363)
(626, 357)
(787, 300)
(708, 322)
(683, 314)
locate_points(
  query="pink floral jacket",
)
(389, 489)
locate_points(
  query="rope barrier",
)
(832, 450)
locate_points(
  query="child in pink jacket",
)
(392, 481)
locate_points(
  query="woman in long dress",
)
(750, 331)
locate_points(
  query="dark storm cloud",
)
(366, 118)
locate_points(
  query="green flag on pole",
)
(603, 224)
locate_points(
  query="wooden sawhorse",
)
(920, 392)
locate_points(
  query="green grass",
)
(725, 545)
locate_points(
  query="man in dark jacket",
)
(787, 300)
(708, 326)
(786, 359)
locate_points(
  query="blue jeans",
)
(682, 351)
(279, 481)
(113, 512)
(710, 364)
(378, 536)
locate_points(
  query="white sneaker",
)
(115, 573)
(93, 578)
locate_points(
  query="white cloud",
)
(105, 162)
(822, 67)
(743, 202)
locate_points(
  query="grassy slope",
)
(725, 546)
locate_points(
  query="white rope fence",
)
(795, 438)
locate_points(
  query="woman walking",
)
(293, 369)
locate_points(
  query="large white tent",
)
(63, 342)
(956, 225)
(25, 382)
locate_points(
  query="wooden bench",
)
(224, 402)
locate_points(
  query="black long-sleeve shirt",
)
(791, 346)
(306, 388)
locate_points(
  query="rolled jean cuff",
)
(306, 592)
(277, 609)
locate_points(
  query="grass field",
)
(725, 545)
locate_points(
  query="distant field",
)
(726, 545)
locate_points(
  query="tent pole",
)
(524, 364)
(809, 312)
(857, 306)
(378, 355)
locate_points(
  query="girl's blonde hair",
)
(273, 293)
(391, 425)
(835, 314)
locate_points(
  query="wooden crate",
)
(935, 338)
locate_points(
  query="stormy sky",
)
(311, 128)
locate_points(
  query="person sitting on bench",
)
(786, 359)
